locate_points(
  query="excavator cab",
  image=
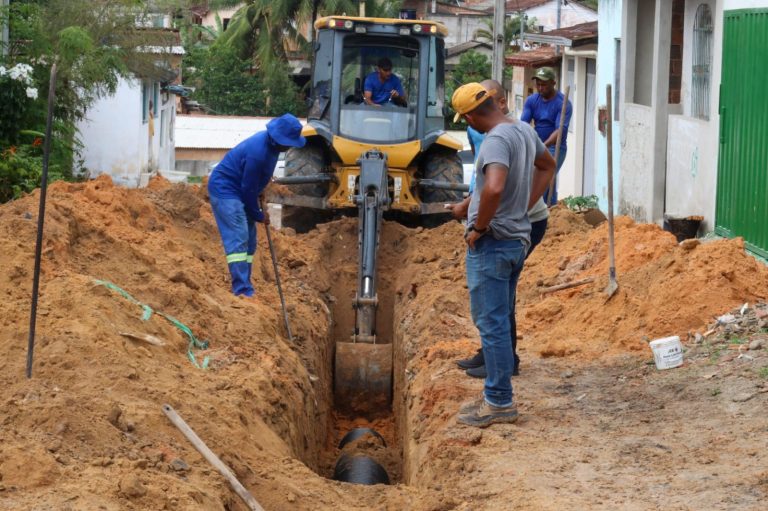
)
(391, 157)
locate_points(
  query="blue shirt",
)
(546, 113)
(244, 173)
(380, 91)
(476, 140)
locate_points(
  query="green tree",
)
(227, 85)
(472, 67)
(261, 29)
(511, 30)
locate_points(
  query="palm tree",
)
(260, 29)
(511, 29)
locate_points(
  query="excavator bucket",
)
(363, 377)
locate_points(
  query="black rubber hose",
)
(359, 469)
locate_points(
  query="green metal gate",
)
(742, 187)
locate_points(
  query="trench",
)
(339, 257)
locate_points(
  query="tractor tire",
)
(441, 165)
(305, 161)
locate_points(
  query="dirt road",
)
(601, 428)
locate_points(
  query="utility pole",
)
(521, 15)
(559, 12)
(497, 68)
(5, 39)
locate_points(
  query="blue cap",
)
(286, 130)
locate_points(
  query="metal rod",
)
(214, 460)
(609, 137)
(305, 180)
(551, 196)
(40, 220)
(443, 185)
(277, 276)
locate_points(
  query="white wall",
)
(460, 28)
(116, 139)
(570, 14)
(609, 30)
(209, 20)
(692, 169)
(636, 147)
(111, 134)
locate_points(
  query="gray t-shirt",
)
(514, 145)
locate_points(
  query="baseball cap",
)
(468, 97)
(545, 74)
(286, 130)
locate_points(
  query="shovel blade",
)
(611, 289)
(363, 377)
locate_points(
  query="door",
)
(588, 187)
(742, 185)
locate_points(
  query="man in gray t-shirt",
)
(498, 235)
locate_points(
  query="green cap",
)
(545, 74)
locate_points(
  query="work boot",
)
(480, 372)
(475, 361)
(487, 414)
(471, 406)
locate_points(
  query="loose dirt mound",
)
(664, 288)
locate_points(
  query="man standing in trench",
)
(498, 237)
(538, 215)
(234, 188)
(544, 108)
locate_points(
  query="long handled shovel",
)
(613, 286)
(277, 275)
(551, 193)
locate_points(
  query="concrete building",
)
(680, 155)
(130, 135)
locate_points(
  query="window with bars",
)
(702, 62)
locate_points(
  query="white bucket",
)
(667, 352)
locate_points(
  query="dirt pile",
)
(665, 288)
(87, 431)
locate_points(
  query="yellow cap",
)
(468, 97)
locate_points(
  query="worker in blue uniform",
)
(234, 188)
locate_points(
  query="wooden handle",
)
(214, 460)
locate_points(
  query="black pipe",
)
(359, 469)
(40, 220)
(359, 433)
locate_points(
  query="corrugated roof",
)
(543, 56)
(469, 45)
(575, 35)
(523, 5)
(215, 131)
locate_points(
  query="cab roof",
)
(441, 29)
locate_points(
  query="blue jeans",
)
(560, 160)
(493, 268)
(238, 235)
(537, 234)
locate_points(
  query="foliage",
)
(225, 85)
(472, 67)
(511, 30)
(263, 31)
(22, 168)
(580, 203)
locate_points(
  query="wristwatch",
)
(481, 231)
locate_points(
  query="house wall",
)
(571, 176)
(209, 20)
(570, 14)
(644, 132)
(460, 28)
(693, 144)
(116, 138)
(609, 31)
(111, 135)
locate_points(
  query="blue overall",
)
(234, 188)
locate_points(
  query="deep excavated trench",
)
(339, 256)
